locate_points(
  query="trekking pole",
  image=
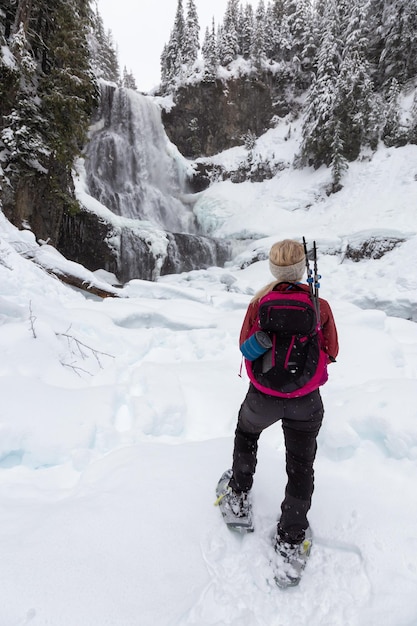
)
(309, 271)
(316, 282)
(313, 281)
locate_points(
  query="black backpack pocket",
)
(287, 317)
(289, 364)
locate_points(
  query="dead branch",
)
(76, 369)
(80, 345)
(32, 319)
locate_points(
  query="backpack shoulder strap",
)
(290, 287)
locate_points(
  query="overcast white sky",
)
(141, 28)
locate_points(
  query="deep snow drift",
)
(117, 419)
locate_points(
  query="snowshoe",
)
(291, 560)
(236, 508)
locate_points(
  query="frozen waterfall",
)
(138, 174)
(132, 167)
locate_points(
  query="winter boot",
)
(236, 508)
(292, 559)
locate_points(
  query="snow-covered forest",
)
(347, 68)
(350, 63)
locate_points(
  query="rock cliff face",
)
(40, 201)
(90, 240)
(85, 238)
(209, 117)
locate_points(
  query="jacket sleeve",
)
(331, 342)
(248, 321)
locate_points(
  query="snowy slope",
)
(117, 419)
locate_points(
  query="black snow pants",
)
(301, 420)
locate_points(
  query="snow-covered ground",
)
(117, 419)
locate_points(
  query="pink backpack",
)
(296, 363)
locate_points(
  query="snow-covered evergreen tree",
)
(342, 96)
(319, 122)
(191, 45)
(339, 163)
(274, 16)
(164, 65)
(128, 80)
(399, 32)
(228, 41)
(247, 23)
(22, 145)
(374, 37)
(258, 49)
(103, 51)
(209, 53)
(51, 94)
(299, 23)
(56, 89)
(393, 132)
(355, 90)
(67, 94)
(173, 55)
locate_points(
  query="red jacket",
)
(331, 344)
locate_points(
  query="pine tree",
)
(246, 30)
(269, 31)
(174, 53)
(399, 31)
(285, 40)
(164, 65)
(179, 25)
(343, 107)
(20, 48)
(48, 110)
(56, 90)
(274, 30)
(228, 42)
(339, 163)
(191, 45)
(318, 22)
(258, 51)
(299, 21)
(68, 93)
(374, 36)
(24, 148)
(128, 79)
(103, 52)
(219, 43)
(393, 132)
(209, 53)
(355, 91)
(319, 123)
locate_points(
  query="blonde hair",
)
(286, 252)
(282, 254)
